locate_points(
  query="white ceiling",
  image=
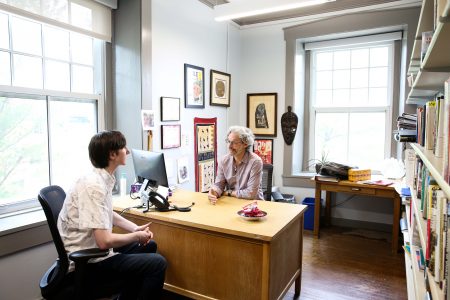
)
(337, 7)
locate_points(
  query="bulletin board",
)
(205, 132)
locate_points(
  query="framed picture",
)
(194, 87)
(262, 114)
(148, 119)
(170, 136)
(264, 149)
(220, 89)
(170, 109)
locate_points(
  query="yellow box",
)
(359, 174)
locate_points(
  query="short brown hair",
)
(101, 146)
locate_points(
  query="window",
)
(351, 88)
(49, 107)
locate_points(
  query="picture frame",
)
(147, 119)
(194, 86)
(170, 109)
(170, 136)
(220, 88)
(262, 114)
(264, 149)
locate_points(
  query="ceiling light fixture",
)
(245, 8)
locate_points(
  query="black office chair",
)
(56, 282)
(266, 182)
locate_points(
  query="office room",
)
(116, 60)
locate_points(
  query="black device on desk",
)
(161, 203)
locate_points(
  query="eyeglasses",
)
(233, 142)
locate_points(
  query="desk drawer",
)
(349, 189)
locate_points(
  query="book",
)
(326, 178)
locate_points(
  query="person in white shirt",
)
(87, 218)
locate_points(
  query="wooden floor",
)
(342, 265)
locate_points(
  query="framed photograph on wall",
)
(220, 88)
(262, 114)
(170, 109)
(170, 136)
(194, 86)
(264, 149)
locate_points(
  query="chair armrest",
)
(82, 256)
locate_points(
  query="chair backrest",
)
(266, 183)
(52, 199)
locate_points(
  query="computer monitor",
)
(151, 166)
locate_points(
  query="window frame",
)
(362, 42)
(27, 205)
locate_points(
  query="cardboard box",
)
(359, 174)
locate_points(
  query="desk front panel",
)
(209, 265)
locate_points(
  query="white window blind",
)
(82, 16)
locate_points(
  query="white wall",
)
(184, 31)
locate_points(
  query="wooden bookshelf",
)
(431, 73)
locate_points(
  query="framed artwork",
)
(264, 149)
(205, 153)
(148, 119)
(170, 136)
(220, 88)
(170, 109)
(194, 87)
(262, 114)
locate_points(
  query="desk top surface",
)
(222, 217)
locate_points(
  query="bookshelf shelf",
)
(434, 165)
(435, 67)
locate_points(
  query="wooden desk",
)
(213, 253)
(346, 186)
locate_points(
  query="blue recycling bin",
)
(308, 218)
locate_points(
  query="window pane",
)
(367, 150)
(378, 77)
(379, 56)
(72, 124)
(33, 6)
(360, 78)
(359, 97)
(81, 16)
(323, 98)
(57, 75)
(341, 79)
(82, 79)
(56, 43)
(378, 96)
(341, 97)
(330, 138)
(81, 49)
(23, 150)
(341, 60)
(324, 80)
(26, 36)
(4, 34)
(5, 70)
(324, 61)
(27, 71)
(360, 58)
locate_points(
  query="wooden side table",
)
(354, 188)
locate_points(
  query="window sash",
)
(313, 109)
